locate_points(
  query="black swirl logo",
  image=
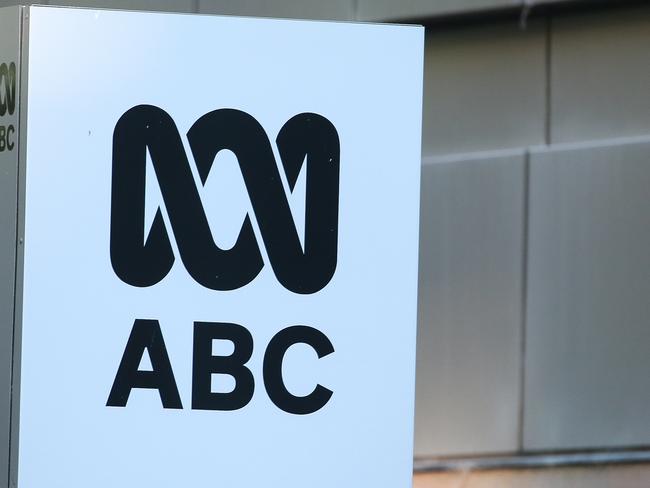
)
(143, 261)
(7, 88)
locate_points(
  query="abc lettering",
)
(143, 261)
(7, 142)
(147, 335)
(7, 104)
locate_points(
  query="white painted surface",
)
(86, 69)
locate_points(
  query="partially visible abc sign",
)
(7, 105)
(220, 261)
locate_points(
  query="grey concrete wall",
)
(485, 87)
(588, 323)
(305, 9)
(412, 9)
(160, 5)
(600, 74)
(470, 314)
(364, 10)
(585, 355)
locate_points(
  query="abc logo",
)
(305, 139)
(7, 89)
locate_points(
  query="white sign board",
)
(220, 259)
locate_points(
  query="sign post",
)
(210, 256)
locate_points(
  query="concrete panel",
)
(413, 9)
(471, 255)
(634, 476)
(6, 3)
(484, 88)
(299, 9)
(588, 320)
(600, 75)
(160, 5)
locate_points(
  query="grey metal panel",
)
(600, 75)
(10, 19)
(588, 321)
(484, 88)
(20, 257)
(469, 327)
(8, 209)
(409, 9)
(300, 9)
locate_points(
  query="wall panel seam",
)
(549, 80)
(524, 301)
